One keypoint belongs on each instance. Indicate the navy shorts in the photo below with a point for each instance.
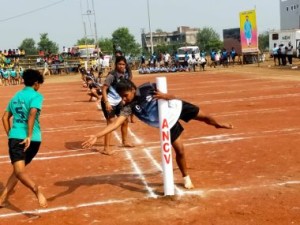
(188, 112)
(17, 153)
(116, 110)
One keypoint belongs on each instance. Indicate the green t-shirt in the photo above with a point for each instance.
(20, 106)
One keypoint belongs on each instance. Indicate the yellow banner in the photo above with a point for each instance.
(248, 29)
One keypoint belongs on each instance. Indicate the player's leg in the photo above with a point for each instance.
(181, 162)
(124, 132)
(11, 183)
(107, 140)
(19, 170)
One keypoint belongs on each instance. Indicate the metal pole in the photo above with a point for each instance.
(151, 40)
(96, 35)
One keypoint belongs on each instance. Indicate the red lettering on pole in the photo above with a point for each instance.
(167, 158)
(166, 147)
(165, 124)
(165, 136)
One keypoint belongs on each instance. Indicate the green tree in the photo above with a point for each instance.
(47, 45)
(208, 38)
(263, 41)
(88, 41)
(106, 45)
(123, 39)
(28, 45)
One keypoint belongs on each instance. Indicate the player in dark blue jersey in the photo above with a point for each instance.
(142, 102)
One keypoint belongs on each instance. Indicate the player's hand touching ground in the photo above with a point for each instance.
(90, 142)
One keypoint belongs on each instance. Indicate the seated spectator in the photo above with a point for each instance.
(22, 52)
(41, 53)
(9, 53)
(69, 52)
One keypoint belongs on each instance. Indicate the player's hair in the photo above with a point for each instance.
(119, 59)
(119, 52)
(125, 85)
(31, 76)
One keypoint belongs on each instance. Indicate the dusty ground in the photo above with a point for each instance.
(248, 175)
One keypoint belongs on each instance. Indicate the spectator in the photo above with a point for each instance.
(275, 54)
(289, 53)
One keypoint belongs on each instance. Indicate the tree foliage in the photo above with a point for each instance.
(106, 45)
(208, 38)
(47, 45)
(123, 39)
(263, 41)
(28, 45)
(83, 41)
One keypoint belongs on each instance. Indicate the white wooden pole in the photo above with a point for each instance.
(165, 139)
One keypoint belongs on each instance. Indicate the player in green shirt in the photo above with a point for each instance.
(24, 134)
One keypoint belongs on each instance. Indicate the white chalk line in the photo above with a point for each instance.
(53, 152)
(229, 100)
(67, 128)
(262, 97)
(149, 155)
(199, 192)
(218, 82)
(65, 208)
(63, 114)
(205, 192)
(243, 90)
(209, 139)
(137, 169)
(212, 139)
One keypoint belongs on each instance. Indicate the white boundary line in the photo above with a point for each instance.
(202, 193)
(209, 139)
(137, 169)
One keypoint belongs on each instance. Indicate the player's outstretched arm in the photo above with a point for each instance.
(212, 121)
(111, 127)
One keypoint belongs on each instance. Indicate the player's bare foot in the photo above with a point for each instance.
(3, 199)
(128, 145)
(3, 203)
(41, 198)
(107, 152)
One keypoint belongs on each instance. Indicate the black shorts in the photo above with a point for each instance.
(17, 153)
(188, 112)
(116, 110)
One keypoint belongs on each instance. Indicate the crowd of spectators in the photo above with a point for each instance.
(12, 53)
(10, 69)
(11, 75)
(164, 62)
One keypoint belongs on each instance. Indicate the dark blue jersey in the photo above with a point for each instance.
(145, 107)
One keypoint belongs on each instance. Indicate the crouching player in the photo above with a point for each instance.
(142, 102)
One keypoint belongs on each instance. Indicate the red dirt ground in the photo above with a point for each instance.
(248, 175)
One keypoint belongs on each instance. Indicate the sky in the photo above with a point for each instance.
(64, 20)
